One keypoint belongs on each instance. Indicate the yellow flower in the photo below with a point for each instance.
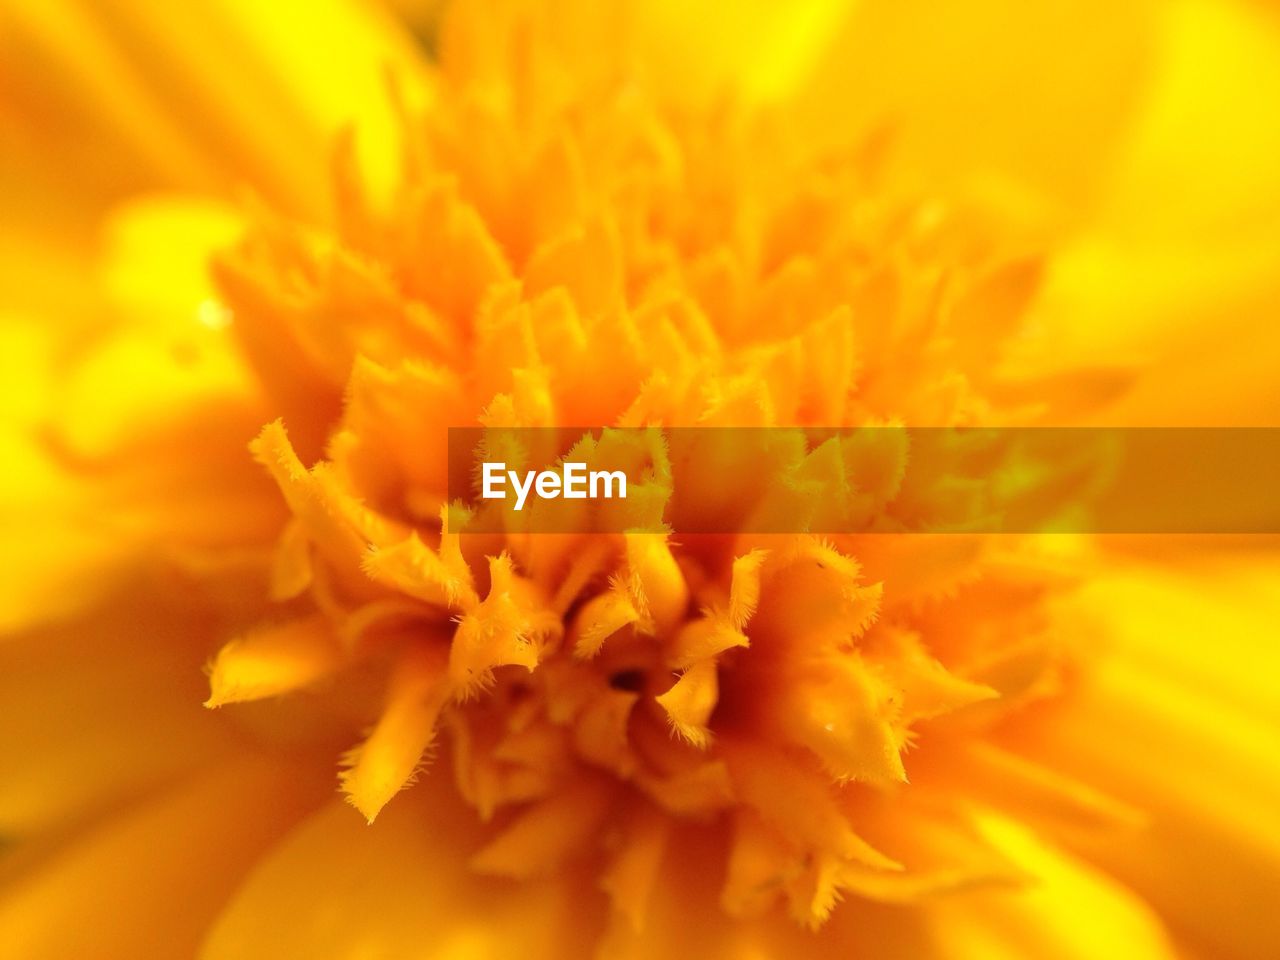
(262, 258)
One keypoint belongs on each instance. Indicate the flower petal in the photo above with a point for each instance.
(388, 760)
(269, 661)
(998, 96)
(399, 888)
(1182, 256)
(188, 847)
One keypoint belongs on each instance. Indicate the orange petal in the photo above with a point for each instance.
(269, 661)
(545, 835)
(690, 701)
(389, 759)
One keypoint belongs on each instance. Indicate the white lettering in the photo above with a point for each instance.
(493, 474)
(573, 482)
(608, 477)
(548, 485)
(522, 490)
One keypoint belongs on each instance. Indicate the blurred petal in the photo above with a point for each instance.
(1070, 910)
(94, 713)
(1183, 258)
(210, 94)
(99, 897)
(1010, 99)
(165, 349)
(96, 408)
(49, 558)
(756, 48)
(1192, 663)
(398, 888)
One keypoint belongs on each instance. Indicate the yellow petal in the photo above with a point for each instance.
(754, 49)
(269, 661)
(1023, 103)
(150, 381)
(545, 835)
(630, 878)
(395, 888)
(95, 711)
(389, 759)
(600, 733)
(760, 861)
(414, 568)
(845, 712)
(1185, 684)
(187, 844)
(690, 701)
(799, 802)
(1045, 919)
(291, 570)
(341, 527)
(510, 627)
(54, 560)
(161, 78)
(1182, 256)
(702, 639)
(106, 102)
(927, 688)
(744, 588)
(601, 617)
(655, 582)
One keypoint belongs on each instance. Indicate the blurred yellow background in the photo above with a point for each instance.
(255, 259)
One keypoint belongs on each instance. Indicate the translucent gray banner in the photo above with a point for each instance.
(884, 479)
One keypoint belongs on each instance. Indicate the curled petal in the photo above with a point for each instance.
(690, 701)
